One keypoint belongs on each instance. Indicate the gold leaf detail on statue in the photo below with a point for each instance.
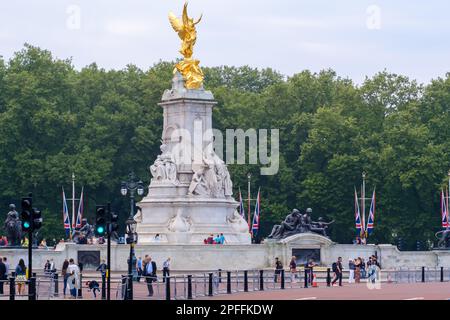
(189, 68)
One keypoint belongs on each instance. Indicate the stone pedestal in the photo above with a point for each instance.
(190, 194)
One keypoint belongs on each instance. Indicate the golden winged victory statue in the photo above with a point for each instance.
(189, 68)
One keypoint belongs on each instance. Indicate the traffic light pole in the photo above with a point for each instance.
(32, 291)
(108, 254)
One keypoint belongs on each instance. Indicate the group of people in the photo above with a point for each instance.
(70, 273)
(219, 239)
(20, 273)
(358, 269)
(293, 265)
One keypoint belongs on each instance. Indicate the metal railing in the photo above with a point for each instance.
(205, 283)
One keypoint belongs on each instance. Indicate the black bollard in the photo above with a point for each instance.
(261, 280)
(32, 288)
(306, 278)
(245, 281)
(228, 282)
(124, 287)
(210, 285)
(442, 274)
(423, 274)
(328, 277)
(55, 279)
(103, 287)
(189, 288)
(282, 279)
(12, 288)
(168, 288)
(220, 275)
(80, 291)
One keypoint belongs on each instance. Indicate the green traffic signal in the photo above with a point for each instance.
(100, 230)
(26, 224)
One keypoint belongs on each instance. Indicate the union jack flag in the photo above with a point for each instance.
(358, 225)
(241, 205)
(80, 211)
(371, 219)
(444, 211)
(66, 217)
(255, 224)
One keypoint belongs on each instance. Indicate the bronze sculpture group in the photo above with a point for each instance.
(296, 223)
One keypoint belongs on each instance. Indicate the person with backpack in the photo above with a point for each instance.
(93, 286)
(337, 269)
(278, 268)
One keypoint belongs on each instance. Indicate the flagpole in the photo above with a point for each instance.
(249, 177)
(448, 196)
(73, 201)
(363, 196)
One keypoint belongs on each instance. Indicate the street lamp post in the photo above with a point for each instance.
(131, 187)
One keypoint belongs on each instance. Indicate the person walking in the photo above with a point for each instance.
(278, 268)
(74, 278)
(139, 266)
(65, 275)
(5, 261)
(102, 268)
(293, 269)
(337, 269)
(351, 269)
(150, 274)
(21, 276)
(166, 269)
(3, 275)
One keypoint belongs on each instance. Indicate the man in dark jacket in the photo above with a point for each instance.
(149, 274)
(2, 274)
(337, 269)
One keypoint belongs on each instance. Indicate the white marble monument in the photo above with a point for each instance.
(190, 194)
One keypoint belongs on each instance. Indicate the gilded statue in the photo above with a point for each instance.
(188, 67)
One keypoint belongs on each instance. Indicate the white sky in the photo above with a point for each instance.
(410, 37)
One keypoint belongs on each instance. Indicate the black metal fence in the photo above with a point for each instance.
(200, 284)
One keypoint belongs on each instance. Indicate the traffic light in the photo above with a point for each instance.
(37, 219)
(27, 214)
(114, 222)
(100, 221)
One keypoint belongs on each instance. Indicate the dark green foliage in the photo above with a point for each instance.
(55, 120)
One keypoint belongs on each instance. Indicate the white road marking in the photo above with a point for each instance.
(308, 298)
(416, 298)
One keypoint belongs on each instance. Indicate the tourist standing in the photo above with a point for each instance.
(150, 274)
(21, 276)
(222, 238)
(5, 261)
(293, 269)
(358, 270)
(351, 269)
(65, 275)
(139, 269)
(278, 268)
(166, 269)
(3, 275)
(74, 278)
(337, 269)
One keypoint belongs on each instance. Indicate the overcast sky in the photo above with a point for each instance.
(354, 37)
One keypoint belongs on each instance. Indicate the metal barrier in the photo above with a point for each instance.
(210, 283)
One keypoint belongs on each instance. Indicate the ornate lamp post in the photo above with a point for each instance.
(131, 187)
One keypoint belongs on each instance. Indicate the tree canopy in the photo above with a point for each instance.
(100, 124)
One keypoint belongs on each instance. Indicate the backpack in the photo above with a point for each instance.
(334, 266)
